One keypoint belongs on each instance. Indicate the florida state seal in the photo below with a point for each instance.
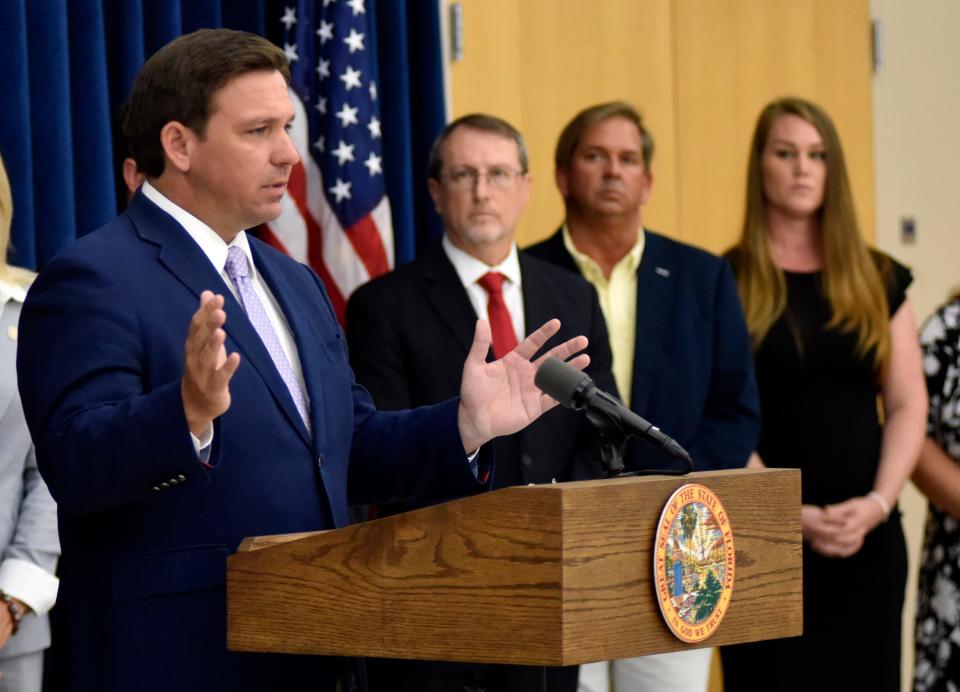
(694, 562)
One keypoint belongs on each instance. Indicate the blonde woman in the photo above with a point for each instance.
(28, 521)
(833, 334)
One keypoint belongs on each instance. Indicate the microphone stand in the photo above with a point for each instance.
(613, 441)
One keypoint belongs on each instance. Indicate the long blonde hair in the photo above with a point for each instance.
(852, 280)
(8, 273)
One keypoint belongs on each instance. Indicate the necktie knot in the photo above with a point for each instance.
(492, 282)
(237, 266)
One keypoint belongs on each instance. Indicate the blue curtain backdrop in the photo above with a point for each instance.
(69, 65)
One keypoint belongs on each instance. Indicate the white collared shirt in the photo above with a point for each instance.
(470, 270)
(10, 291)
(215, 249)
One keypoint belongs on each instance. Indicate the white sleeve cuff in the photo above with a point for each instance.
(202, 443)
(31, 584)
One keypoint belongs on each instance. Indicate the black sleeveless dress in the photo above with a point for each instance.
(820, 413)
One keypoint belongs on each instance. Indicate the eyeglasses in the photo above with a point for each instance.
(498, 177)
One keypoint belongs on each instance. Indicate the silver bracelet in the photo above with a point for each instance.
(880, 500)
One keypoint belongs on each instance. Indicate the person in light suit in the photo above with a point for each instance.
(681, 351)
(28, 520)
(410, 330)
(187, 386)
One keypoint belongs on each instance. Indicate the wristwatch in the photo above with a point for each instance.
(15, 609)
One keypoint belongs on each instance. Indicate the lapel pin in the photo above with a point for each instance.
(12, 333)
(662, 271)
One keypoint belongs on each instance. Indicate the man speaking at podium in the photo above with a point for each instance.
(187, 387)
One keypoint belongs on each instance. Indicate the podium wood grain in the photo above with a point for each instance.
(545, 575)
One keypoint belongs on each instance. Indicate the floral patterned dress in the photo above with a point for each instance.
(938, 608)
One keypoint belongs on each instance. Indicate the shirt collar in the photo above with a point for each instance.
(470, 269)
(630, 261)
(10, 291)
(212, 245)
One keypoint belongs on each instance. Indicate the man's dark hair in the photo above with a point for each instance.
(484, 123)
(179, 81)
(570, 137)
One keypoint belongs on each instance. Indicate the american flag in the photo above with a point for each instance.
(336, 217)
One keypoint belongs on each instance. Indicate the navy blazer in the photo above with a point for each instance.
(410, 331)
(145, 528)
(693, 365)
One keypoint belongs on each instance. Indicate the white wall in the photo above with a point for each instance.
(917, 164)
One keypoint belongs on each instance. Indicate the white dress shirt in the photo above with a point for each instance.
(470, 270)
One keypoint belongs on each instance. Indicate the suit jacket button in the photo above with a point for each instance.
(164, 485)
(156, 487)
(181, 478)
(526, 459)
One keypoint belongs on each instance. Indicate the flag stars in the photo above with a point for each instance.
(351, 78)
(341, 190)
(323, 69)
(290, 50)
(373, 164)
(343, 152)
(373, 90)
(289, 17)
(325, 32)
(320, 144)
(347, 115)
(321, 105)
(354, 41)
(356, 6)
(374, 127)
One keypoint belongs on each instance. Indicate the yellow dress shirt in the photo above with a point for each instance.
(618, 300)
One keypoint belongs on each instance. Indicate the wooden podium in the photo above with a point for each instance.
(541, 575)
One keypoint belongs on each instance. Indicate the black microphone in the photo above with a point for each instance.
(574, 389)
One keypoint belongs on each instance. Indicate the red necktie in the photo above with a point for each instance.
(504, 338)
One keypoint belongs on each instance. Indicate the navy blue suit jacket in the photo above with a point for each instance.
(692, 365)
(145, 528)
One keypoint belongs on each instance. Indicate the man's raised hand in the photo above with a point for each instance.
(207, 369)
(500, 398)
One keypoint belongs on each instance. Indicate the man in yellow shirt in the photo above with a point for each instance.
(681, 351)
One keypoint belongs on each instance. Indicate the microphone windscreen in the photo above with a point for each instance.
(560, 381)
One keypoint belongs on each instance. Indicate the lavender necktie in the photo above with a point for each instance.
(238, 269)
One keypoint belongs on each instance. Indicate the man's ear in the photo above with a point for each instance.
(560, 177)
(131, 176)
(647, 186)
(433, 187)
(177, 142)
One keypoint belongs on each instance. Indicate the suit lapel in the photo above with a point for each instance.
(294, 312)
(537, 304)
(655, 297)
(448, 296)
(185, 260)
(9, 317)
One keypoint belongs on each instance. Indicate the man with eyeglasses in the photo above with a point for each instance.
(681, 351)
(410, 330)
